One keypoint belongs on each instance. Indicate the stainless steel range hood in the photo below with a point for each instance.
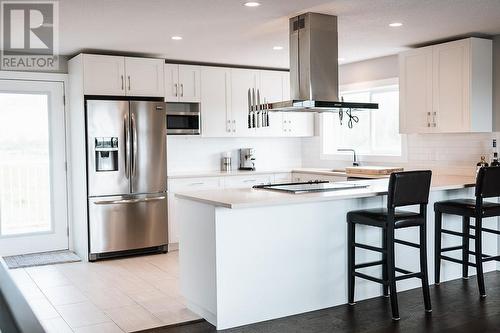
(314, 67)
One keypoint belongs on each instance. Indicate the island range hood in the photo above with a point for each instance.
(314, 67)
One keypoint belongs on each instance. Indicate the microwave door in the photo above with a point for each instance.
(149, 147)
(108, 147)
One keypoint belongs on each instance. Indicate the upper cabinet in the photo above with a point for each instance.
(144, 76)
(216, 102)
(182, 83)
(447, 88)
(122, 76)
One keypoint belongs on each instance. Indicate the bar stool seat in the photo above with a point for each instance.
(378, 217)
(487, 186)
(467, 207)
(405, 189)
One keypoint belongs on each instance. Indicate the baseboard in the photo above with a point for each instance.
(173, 247)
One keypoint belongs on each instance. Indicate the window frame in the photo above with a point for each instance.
(363, 157)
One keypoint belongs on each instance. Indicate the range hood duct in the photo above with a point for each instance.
(314, 67)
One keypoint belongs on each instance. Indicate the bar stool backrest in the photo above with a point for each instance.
(409, 188)
(488, 182)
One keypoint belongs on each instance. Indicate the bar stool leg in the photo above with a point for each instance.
(392, 274)
(479, 259)
(465, 247)
(385, 287)
(350, 261)
(437, 248)
(423, 269)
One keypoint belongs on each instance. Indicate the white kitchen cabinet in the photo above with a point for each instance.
(271, 89)
(103, 75)
(182, 83)
(122, 76)
(241, 81)
(447, 88)
(284, 177)
(144, 77)
(216, 102)
(247, 181)
(306, 177)
(184, 185)
(295, 123)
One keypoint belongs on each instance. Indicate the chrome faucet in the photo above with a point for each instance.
(355, 160)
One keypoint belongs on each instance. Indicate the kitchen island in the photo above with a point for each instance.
(249, 255)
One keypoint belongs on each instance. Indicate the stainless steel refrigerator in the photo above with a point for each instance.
(126, 176)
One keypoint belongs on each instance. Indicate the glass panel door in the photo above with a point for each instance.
(33, 205)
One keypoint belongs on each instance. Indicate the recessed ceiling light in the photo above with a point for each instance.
(176, 37)
(252, 4)
(395, 24)
(277, 48)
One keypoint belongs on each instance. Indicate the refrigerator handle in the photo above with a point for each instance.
(126, 129)
(134, 144)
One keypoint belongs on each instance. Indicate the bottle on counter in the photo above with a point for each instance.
(225, 162)
(481, 163)
(494, 154)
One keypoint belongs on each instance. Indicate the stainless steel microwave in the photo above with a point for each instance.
(186, 122)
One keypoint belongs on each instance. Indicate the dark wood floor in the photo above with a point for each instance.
(456, 308)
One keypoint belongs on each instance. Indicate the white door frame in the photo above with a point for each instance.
(50, 78)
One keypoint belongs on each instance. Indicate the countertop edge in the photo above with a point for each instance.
(299, 198)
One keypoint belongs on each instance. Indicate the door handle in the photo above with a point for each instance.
(128, 77)
(128, 201)
(175, 88)
(182, 90)
(126, 129)
(134, 144)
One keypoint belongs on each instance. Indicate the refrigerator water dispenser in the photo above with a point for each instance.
(106, 154)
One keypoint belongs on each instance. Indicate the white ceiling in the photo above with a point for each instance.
(224, 31)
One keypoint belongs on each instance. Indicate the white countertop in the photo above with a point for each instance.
(248, 197)
(216, 173)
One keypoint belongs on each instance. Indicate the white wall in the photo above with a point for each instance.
(445, 153)
(192, 154)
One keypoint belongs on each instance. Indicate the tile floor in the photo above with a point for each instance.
(121, 295)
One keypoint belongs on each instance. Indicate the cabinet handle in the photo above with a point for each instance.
(200, 183)
(128, 77)
(175, 87)
(182, 90)
(123, 83)
(249, 180)
(434, 119)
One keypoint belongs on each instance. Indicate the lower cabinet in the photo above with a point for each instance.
(212, 183)
(184, 185)
(306, 177)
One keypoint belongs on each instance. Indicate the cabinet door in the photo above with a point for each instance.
(189, 84)
(215, 102)
(415, 88)
(295, 123)
(103, 75)
(144, 77)
(171, 82)
(271, 88)
(180, 185)
(247, 181)
(241, 81)
(451, 78)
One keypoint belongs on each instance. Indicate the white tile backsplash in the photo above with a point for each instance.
(193, 154)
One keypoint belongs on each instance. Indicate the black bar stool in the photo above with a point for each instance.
(487, 186)
(405, 188)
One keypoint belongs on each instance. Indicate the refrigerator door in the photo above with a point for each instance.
(121, 223)
(149, 147)
(108, 147)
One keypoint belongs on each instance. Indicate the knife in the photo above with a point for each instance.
(249, 109)
(254, 107)
(259, 113)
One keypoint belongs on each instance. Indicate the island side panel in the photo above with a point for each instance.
(197, 257)
(276, 261)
